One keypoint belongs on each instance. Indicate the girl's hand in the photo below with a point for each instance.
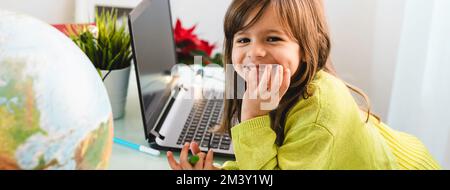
(263, 92)
(205, 161)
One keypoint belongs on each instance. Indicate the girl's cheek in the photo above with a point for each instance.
(289, 57)
(288, 65)
(238, 68)
(291, 65)
(236, 57)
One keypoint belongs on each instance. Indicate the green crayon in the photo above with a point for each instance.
(194, 159)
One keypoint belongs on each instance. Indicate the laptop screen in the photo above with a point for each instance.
(154, 55)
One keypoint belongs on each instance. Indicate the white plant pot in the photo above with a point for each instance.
(116, 84)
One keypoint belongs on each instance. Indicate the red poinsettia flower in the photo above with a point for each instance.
(182, 34)
(188, 44)
(206, 47)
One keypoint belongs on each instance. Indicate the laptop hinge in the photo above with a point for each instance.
(165, 112)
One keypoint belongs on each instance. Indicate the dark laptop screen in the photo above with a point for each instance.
(154, 55)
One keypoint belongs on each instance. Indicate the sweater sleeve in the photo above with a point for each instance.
(304, 147)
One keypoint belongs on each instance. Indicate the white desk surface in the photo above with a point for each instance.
(130, 128)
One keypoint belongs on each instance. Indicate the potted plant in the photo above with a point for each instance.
(108, 46)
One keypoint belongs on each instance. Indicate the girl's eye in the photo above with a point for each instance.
(273, 39)
(243, 40)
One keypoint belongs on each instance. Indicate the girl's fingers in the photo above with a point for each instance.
(277, 80)
(184, 157)
(264, 79)
(172, 162)
(240, 69)
(209, 160)
(245, 69)
(286, 81)
(200, 164)
(252, 83)
(195, 149)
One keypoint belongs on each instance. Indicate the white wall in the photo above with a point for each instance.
(50, 11)
(365, 35)
(207, 15)
(388, 29)
(351, 24)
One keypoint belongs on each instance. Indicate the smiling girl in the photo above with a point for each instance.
(316, 123)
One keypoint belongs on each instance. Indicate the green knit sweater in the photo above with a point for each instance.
(326, 131)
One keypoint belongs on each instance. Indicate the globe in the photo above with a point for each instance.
(54, 109)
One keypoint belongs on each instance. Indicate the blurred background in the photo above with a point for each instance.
(398, 52)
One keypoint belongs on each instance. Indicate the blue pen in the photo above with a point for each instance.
(137, 147)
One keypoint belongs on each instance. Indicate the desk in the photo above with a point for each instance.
(131, 128)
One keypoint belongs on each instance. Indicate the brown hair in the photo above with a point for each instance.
(306, 23)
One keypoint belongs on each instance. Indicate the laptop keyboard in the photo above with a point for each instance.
(205, 114)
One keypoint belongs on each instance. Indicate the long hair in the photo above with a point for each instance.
(304, 21)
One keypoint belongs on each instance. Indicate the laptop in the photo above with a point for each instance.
(170, 119)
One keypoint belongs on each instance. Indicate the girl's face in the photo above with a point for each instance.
(265, 42)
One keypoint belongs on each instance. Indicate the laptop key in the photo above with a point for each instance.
(224, 147)
(214, 145)
(216, 138)
(226, 142)
(204, 144)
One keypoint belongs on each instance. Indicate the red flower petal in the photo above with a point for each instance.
(187, 41)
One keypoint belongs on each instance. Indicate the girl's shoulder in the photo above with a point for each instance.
(330, 104)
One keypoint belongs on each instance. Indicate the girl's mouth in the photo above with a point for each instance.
(260, 70)
(248, 66)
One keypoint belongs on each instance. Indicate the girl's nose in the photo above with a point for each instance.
(256, 51)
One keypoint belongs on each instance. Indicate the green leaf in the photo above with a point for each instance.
(112, 47)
